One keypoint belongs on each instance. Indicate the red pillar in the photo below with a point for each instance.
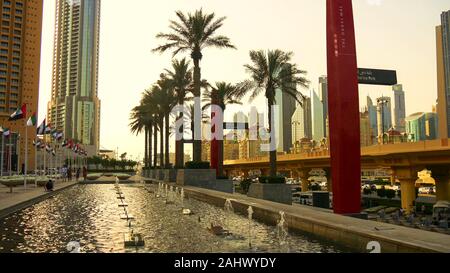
(343, 107)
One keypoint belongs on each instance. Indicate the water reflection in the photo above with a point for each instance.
(90, 215)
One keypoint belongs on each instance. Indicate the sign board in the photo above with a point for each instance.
(377, 76)
(235, 126)
(317, 172)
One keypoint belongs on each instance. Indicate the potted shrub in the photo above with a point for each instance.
(272, 189)
(197, 174)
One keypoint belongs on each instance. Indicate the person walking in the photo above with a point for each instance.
(85, 173)
(78, 174)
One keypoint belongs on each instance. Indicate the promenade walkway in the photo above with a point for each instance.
(22, 198)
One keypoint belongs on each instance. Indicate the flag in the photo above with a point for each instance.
(32, 121)
(65, 143)
(41, 129)
(53, 153)
(20, 113)
(59, 136)
(48, 148)
(6, 132)
(48, 129)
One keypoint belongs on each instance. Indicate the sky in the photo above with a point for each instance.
(390, 34)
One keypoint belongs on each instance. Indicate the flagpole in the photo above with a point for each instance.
(9, 156)
(26, 155)
(35, 163)
(45, 159)
(18, 153)
(3, 151)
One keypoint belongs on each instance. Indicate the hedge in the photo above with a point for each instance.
(197, 165)
(272, 180)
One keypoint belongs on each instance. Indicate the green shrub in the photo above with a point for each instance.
(272, 180)
(245, 185)
(197, 165)
(381, 192)
(222, 177)
(390, 194)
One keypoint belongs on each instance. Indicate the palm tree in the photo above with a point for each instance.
(166, 100)
(180, 78)
(137, 125)
(222, 94)
(193, 33)
(151, 111)
(270, 72)
(141, 120)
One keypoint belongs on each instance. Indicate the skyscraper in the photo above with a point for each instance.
(422, 126)
(399, 108)
(323, 93)
(286, 108)
(384, 114)
(366, 130)
(443, 74)
(20, 56)
(74, 107)
(301, 122)
(317, 117)
(373, 116)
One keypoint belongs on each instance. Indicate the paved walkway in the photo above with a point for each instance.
(21, 198)
(415, 238)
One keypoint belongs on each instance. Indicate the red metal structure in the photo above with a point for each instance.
(343, 109)
(343, 104)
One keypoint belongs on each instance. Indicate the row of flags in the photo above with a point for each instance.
(42, 130)
(68, 144)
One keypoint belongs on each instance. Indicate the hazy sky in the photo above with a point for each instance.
(391, 34)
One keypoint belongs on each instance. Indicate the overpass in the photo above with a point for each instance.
(404, 160)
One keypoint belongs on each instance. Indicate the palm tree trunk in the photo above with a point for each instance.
(150, 134)
(161, 144)
(146, 148)
(167, 163)
(155, 145)
(273, 148)
(197, 79)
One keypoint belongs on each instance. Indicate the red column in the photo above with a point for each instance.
(343, 107)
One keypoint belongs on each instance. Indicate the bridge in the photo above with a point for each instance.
(404, 160)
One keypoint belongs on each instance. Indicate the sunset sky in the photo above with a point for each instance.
(391, 34)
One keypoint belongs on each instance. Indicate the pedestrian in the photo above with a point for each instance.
(84, 173)
(78, 174)
(49, 186)
(69, 174)
(424, 209)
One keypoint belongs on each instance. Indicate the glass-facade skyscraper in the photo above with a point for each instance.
(399, 108)
(75, 106)
(422, 126)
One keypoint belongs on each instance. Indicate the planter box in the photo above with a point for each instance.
(159, 174)
(196, 178)
(170, 175)
(205, 179)
(222, 185)
(279, 193)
